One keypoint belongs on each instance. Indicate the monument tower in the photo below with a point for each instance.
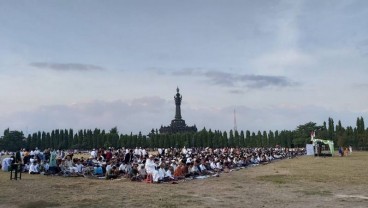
(177, 124)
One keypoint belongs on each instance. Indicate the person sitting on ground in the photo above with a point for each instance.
(79, 167)
(142, 172)
(26, 167)
(122, 168)
(98, 170)
(69, 165)
(150, 167)
(46, 166)
(203, 168)
(112, 173)
(34, 168)
(134, 173)
(6, 163)
(161, 172)
(178, 173)
(194, 170)
(226, 167)
(169, 171)
(108, 167)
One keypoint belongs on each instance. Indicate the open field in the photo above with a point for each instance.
(300, 182)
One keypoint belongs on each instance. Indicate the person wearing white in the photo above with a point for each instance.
(79, 166)
(144, 152)
(32, 154)
(6, 163)
(136, 151)
(168, 173)
(203, 167)
(161, 172)
(36, 152)
(69, 165)
(108, 167)
(219, 165)
(159, 151)
(93, 154)
(173, 164)
(33, 169)
(184, 151)
(46, 167)
(122, 168)
(150, 167)
(213, 165)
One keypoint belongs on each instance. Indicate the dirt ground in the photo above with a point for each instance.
(300, 182)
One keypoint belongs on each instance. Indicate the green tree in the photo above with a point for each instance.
(236, 139)
(271, 139)
(12, 140)
(242, 139)
(231, 139)
(303, 132)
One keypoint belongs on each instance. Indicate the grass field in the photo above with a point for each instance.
(300, 182)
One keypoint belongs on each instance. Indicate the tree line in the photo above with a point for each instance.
(87, 139)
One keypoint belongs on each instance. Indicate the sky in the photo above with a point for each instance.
(86, 64)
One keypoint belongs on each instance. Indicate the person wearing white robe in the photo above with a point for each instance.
(169, 173)
(94, 154)
(136, 152)
(150, 167)
(144, 152)
(161, 172)
(34, 168)
(6, 163)
(213, 165)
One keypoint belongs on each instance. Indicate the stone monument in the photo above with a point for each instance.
(177, 124)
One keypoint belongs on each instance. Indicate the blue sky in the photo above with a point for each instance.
(100, 64)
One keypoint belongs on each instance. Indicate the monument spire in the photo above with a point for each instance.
(177, 124)
(177, 98)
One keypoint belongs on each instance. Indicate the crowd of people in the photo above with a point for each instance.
(158, 165)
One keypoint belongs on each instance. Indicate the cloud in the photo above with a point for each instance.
(249, 81)
(186, 71)
(156, 71)
(220, 78)
(238, 81)
(236, 91)
(66, 66)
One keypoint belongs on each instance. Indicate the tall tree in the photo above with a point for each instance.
(12, 140)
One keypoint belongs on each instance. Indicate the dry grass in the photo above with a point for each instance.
(301, 182)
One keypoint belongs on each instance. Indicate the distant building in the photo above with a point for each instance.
(178, 124)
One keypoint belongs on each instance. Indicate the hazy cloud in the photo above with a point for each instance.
(238, 80)
(227, 79)
(236, 91)
(187, 71)
(221, 78)
(156, 71)
(66, 66)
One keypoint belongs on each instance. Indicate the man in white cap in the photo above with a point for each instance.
(150, 167)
